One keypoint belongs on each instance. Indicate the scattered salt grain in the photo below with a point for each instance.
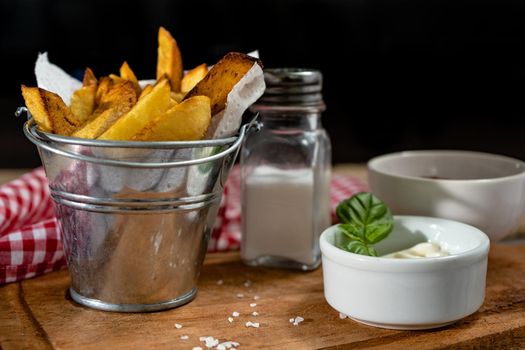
(253, 305)
(196, 348)
(297, 320)
(252, 324)
(255, 313)
(227, 345)
(184, 337)
(256, 297)
(220, 282)
(235, 314)
(247, 283)
(210, 342)
(178, 325)
(230, 319)
(342, 316)
(240, 295)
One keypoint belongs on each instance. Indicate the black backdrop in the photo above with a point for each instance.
(412, 74)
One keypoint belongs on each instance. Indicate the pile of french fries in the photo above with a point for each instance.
(176, 107)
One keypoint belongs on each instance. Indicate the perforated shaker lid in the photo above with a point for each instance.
(293, 87)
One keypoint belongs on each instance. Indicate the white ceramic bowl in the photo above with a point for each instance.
(480, 189)
(409, 293)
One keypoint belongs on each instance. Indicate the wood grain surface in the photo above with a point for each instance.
(38, 314)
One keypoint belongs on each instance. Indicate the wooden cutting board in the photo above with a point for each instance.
(38, 314)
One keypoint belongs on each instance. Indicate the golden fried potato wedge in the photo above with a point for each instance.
(127, 73)
(89, 78)
(97, 126)
(119, 99)
(49, 111)
(147, 89)
(119, 93)
(149, 108)
(83, 102)
(116, 79)
(177, 96)
(186, 121)
(222, 78)
(192, 77)
(169, 59)
(104, 85)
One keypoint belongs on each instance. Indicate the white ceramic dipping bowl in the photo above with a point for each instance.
(409, 293)
(480, 189)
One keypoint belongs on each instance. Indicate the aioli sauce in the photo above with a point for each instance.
(421, 250)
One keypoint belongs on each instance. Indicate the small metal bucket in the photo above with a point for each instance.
(135, 217)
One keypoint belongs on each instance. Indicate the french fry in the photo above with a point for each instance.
(147, 89)
(117, 93)
(97, 126)
(192, 77)
(169, 59)
(83, 100)
(127, 73)
(185, 121)
(220, 80)
(119, 99)
(49, 111)
(89, 78)
(103, 86)
(115, 78)
(149, 108)
(177, 96)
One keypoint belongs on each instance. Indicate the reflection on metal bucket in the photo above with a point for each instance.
(135, 217)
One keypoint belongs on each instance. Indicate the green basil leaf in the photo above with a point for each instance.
(365, 218)
(341, 239)
(360, 248)
(352, 232)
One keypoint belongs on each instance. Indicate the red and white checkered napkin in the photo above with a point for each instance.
(30, 243)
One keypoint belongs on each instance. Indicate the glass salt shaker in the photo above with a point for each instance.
(285, 173)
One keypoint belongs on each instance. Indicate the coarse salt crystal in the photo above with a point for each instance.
(227, 345)
(342, 316)
(220, 282)
(210, 342)
(255, 313)
(230, 319)
(235, 314)
(253, 305)
(252, 324)
(178, 325)
(196, 348)
(256, 297)
(240, 295)
(297, 320)
(291, 320)
(184, 337)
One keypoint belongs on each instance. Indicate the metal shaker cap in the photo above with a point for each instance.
(293, 87)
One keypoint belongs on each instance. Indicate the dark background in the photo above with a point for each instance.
(398, 74)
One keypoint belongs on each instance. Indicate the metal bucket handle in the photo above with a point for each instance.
(41, 140)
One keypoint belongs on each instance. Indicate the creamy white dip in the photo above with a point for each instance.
(421, 250)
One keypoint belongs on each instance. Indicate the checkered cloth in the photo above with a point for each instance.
(30, 243)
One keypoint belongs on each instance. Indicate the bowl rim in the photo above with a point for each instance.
(371, 263)
(373, 165)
